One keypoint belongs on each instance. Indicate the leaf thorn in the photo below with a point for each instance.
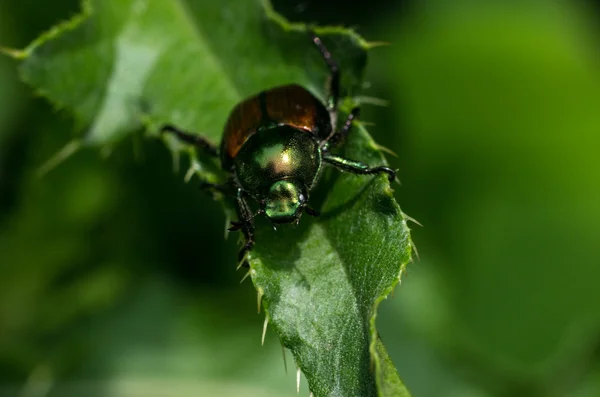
(298, 373)
(245, 276)
(413, 220)
(240, 264)
(369, 100)
(385, 149)
(13, 53)
(61, 156)
(194, 167)
(414, 248)
(402, 272)
(259, 298)
(375, 44)
(284, 357)
(264, 332)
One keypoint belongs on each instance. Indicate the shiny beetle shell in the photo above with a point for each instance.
(290, 105)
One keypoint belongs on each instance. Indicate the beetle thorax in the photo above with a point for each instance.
(275, 154)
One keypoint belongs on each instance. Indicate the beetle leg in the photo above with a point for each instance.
(192, 139)
(224, 188)
(339, 136)
(356, 167)
(334, 70)
(311, 211)
(245, 225)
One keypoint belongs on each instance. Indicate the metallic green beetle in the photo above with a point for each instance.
(273, 146)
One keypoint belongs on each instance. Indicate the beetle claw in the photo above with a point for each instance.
(311, 211)
(235, 225)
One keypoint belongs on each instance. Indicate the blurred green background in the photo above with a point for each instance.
(115, 279)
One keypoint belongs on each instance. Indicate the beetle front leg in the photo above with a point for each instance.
(249, 235)
(247, 228)
(356, 167)
(244, 224)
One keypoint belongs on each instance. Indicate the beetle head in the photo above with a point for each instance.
(285, 200)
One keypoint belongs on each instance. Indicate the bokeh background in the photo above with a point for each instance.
(115, 278)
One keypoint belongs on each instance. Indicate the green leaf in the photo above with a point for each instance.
(322, 281)
(388, 381)
(127, 65)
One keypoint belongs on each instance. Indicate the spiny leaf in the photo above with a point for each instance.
(323, 280)
(126, 65)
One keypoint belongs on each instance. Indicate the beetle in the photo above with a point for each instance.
(273, 147)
